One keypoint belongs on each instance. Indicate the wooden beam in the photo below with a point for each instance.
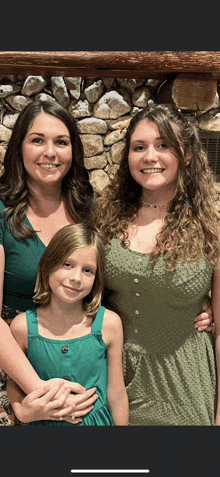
(127, 64)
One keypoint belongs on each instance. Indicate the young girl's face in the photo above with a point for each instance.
(73, 280)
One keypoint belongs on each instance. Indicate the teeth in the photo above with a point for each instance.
(152, 171)
(48, 166)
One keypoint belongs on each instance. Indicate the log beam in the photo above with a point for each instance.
(189, 91)
(127, 64)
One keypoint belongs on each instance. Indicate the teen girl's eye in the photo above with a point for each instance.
(139, 148)
(163, 146)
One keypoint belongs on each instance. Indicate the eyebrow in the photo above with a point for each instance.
(41, 134)
(141, 141)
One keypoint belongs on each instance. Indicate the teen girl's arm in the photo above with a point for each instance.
(216, 315)
(116, 392)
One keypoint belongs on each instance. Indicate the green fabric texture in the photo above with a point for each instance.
(81, 360)
(169, 367)
(22, 258)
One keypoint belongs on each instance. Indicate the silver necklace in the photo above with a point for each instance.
(153, 206)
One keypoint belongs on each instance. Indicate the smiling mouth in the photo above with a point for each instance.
(49, 166)
(72, 289)
(152, 171)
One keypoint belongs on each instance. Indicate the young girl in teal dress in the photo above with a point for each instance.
(69, 335)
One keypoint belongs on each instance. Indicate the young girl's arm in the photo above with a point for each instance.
(47, 400)
(216, 315)
(28, 412)
(116, 392)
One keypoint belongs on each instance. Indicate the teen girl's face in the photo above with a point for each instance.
(73, 280)
(47, 150)
(152, 164)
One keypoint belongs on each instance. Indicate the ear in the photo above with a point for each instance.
(187, 158)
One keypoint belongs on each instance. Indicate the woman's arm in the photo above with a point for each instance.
(2, 272)
(12, 359)
(204, 321)
(116, 391)
(14, 362)
(216, 315)
(43, 403)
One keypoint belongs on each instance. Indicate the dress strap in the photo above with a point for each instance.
(98, 320)
(32, 323)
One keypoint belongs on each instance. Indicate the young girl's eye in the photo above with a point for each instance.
(67, 264)
(88, 270)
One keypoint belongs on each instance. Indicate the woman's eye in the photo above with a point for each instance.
(37, 140)
(62, 142)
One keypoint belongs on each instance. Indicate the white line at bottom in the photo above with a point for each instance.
(136, 471)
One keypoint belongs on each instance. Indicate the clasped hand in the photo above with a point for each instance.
(54, 400)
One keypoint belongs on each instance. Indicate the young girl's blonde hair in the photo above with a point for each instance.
(66, 241)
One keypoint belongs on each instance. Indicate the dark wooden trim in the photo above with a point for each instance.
(127, 64)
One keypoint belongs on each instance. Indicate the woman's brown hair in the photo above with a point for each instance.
(76, 189)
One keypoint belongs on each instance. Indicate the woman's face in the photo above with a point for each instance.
(47, 150)
(152, 164)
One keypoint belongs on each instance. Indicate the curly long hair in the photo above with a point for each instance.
(77, 191)
(191, 226)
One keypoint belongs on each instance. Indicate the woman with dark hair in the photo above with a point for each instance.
(44, 186)
(159, 221)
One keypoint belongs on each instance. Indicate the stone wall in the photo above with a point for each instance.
(102, 108)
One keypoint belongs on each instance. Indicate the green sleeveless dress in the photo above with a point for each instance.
(81, 360)
(22, 258)
(169, 367)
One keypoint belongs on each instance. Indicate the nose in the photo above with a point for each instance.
(49, 150)
(150, 154)
(76, 275)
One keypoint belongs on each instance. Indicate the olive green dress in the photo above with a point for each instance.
(170, 370)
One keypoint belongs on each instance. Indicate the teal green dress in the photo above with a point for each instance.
(81, 360)
(22, 258)
(169, 367)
